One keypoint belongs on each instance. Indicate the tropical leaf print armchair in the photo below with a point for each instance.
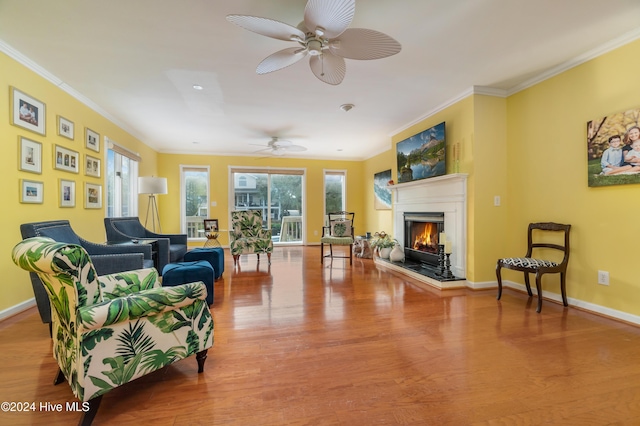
(247, 235)
(109, 330)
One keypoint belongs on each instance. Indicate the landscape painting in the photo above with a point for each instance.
(613, 149)
(423, 155)
(382, 194)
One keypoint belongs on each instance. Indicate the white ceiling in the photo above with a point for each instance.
(136, 62)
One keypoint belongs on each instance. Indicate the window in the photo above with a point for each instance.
(335, 184)
(121, 180)
(278, 193)
(194, 200)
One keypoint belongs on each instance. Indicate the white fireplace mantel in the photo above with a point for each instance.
(447, 194)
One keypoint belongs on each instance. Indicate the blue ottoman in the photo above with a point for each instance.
(213, 255)
(187, 272)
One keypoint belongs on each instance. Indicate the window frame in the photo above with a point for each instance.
(183, 198)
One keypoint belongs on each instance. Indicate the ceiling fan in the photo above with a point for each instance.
(279, 146)
(323, 36)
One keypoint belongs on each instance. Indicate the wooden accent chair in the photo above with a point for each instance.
(531, 265)
(247, 235)
(339, 233)
(109, 330)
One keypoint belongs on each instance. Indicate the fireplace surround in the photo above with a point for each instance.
(446, 195)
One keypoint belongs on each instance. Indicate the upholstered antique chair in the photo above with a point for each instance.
(171, 247)
(112, 329)
(107, 259)
(247, 235)
(338, 232)
(545, 245)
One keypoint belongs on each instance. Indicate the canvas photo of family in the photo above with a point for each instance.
(613, 146)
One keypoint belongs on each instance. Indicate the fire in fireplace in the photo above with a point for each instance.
(421, 233)
(425, 236)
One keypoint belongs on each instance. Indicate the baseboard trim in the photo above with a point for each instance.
(16, 309)
(573, 302)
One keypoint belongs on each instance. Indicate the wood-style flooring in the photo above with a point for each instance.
(302, 343)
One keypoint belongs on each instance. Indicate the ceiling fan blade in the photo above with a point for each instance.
(328, 67)
(295, 148)
(362, 43)
(267, 27)
(281, 143)
(280, 59)
(329, 18)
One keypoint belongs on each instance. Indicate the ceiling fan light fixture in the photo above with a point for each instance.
(347, 107)
(314, 47)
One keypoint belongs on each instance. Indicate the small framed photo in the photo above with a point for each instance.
(27, 112)
(31, 191)
(67, 193)
(211, 225)
(65, 159)
(92, 140)
(91, 166)
(65, 128)
(30, 155)
(92, 196)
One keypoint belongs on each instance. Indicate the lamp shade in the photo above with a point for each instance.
(152, 185)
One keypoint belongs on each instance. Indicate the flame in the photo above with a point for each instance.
(427, 238)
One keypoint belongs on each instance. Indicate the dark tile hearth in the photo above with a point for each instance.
(422, 269)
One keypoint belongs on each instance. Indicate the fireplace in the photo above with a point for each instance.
(421, 236)
(446, 195)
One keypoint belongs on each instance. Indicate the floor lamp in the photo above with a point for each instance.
(152, 186)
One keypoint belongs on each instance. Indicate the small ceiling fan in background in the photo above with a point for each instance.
(323, 36)
(277, 146)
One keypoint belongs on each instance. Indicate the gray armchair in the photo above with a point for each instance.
(106, 259)
(171, 247)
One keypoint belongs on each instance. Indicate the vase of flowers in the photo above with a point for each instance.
(382, 243)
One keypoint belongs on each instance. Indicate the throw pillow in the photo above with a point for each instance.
(341, 228)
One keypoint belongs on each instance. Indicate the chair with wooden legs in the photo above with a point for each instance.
(338, 233)
(530, 265)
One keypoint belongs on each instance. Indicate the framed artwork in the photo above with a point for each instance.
(65, 159)
(382, 194)
(31, 191)
(67, 193)
(92, 140)
(92, 196)
(30, 155)
(422, 156)
(65, 128)
(92, 166)
(27, 112)
(211, 225)
(613, 149)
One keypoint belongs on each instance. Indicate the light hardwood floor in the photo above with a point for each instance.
(311, 344)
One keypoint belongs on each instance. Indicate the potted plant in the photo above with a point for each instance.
(383, 243)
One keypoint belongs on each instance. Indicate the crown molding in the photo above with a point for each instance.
(42, 72)
(578, 60)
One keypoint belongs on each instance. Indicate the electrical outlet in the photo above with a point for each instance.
(603, 277)
(496, 200)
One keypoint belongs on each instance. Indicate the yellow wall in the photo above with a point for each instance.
(86, 222)
(547, 176)
(169, 166)
(487, 180)
(377, 220)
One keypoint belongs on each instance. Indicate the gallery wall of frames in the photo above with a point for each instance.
(80, 155)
